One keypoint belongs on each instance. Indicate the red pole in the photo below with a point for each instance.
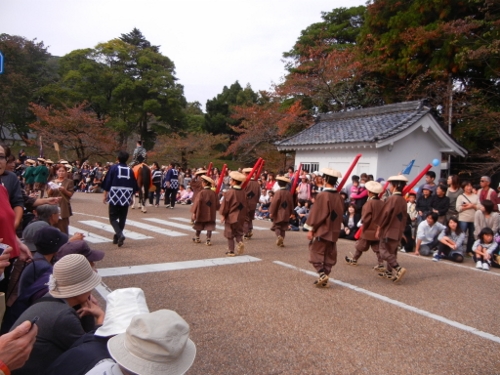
(257, 164)
(296, 179)
(209, 170)
(346, 176)
(257, 176)
(221, 178)
(383, 190)
(416, 179)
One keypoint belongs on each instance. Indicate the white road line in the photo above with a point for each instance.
(175, 225)
(89, 236)
(427, 314)
(220, 227)
(108, 228)
(449, 263)
(175, 266)
(103, 290)
(157, 230)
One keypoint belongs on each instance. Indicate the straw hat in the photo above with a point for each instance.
(237, 176)
(30, 161)
(48, 161)
(398, 178)
(80, 247)
(247, 170)
(41, 159)
(72, 276)
(281, 178)
(331, 172)
(154, 344)
(374, 187)
(63, 162)
(200, 171)
(208, 179)
(121, 306)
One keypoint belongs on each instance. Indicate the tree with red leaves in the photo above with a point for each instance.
(76, 129)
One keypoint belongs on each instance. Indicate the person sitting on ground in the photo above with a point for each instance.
(450, 242)
(486, 218)
(351, 220)
(427, 234)
(484, 249)
(59, 324)
(121, 306)
(263, 211)
(264, 198)
(16, 347)
(147, 347)
(440, 203)
(186, 196)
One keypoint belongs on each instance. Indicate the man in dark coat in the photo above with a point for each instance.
(252, 191)
(324, 223)
(392, 225)
(280, 210)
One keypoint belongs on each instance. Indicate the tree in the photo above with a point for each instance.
(76, 129)
(218, 119)
(263, 124)
(26, 71)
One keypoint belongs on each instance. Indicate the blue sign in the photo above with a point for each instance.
(1, 62)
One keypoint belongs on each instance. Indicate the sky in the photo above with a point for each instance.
(213, 43)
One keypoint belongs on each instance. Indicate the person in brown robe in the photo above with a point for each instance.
(280, 210)
(370, 217)
(392, 225)
(196, 185)
(324, 223)
(233, 211)
(204, 210)
(252, 190)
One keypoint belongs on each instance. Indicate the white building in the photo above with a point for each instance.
(388, 137)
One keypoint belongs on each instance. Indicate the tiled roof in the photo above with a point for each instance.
(363, 125)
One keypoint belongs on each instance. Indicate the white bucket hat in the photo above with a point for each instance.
(72, 276)
(121, 306)
(154, 344)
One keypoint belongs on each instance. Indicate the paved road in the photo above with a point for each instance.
(260, 314)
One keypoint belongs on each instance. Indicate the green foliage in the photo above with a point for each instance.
(219, 110)
(28, 67)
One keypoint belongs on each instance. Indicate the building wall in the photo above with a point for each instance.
(419, 145)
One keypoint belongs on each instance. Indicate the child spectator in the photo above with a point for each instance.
(450, 242)
(411, 209)
(263, 212)
(484, 248)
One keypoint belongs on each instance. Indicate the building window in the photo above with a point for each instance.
(310, 167)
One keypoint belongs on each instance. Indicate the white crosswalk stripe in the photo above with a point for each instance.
(89, 236)
(169, 223)
(157, 230)
(220, 227)
(108, 228)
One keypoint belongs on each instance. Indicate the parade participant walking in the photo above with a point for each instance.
(370, 217)
(41, 174)
(280, 210)
(324, 224)
(196, 184)
(233, 211)
(171, 185)
(252, 190)
(29, 176)
(119, 186)
(205, 210)
(392, 225)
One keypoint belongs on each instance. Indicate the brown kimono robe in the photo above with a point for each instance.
(370, 217)
(205, 210)
(234, 209)
(280, 210)
(252, 191)
(392, 225)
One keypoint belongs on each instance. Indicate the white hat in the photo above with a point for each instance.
(399, 177)
(72, 276)
(374, 187)
(247, 170)
(121, 306)
(237, 176)
(208, 179)
(200, 171)
(331, 172)
(281, 178)
(154, 344)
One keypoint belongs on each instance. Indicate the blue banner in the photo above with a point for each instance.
(407, 170)
(1, 62)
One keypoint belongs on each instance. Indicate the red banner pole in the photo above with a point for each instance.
(296, 179)
(257, 176)
(221, 178)
(257, 164)
(416, 179)
(347, 174)
(209, 170)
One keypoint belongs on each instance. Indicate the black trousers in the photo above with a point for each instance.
(155, 194)
(170, 195)
(117, 218)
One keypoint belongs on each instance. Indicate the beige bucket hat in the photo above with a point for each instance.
(237, 176)
(208, 179)
(154, 344)
(72, 276)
